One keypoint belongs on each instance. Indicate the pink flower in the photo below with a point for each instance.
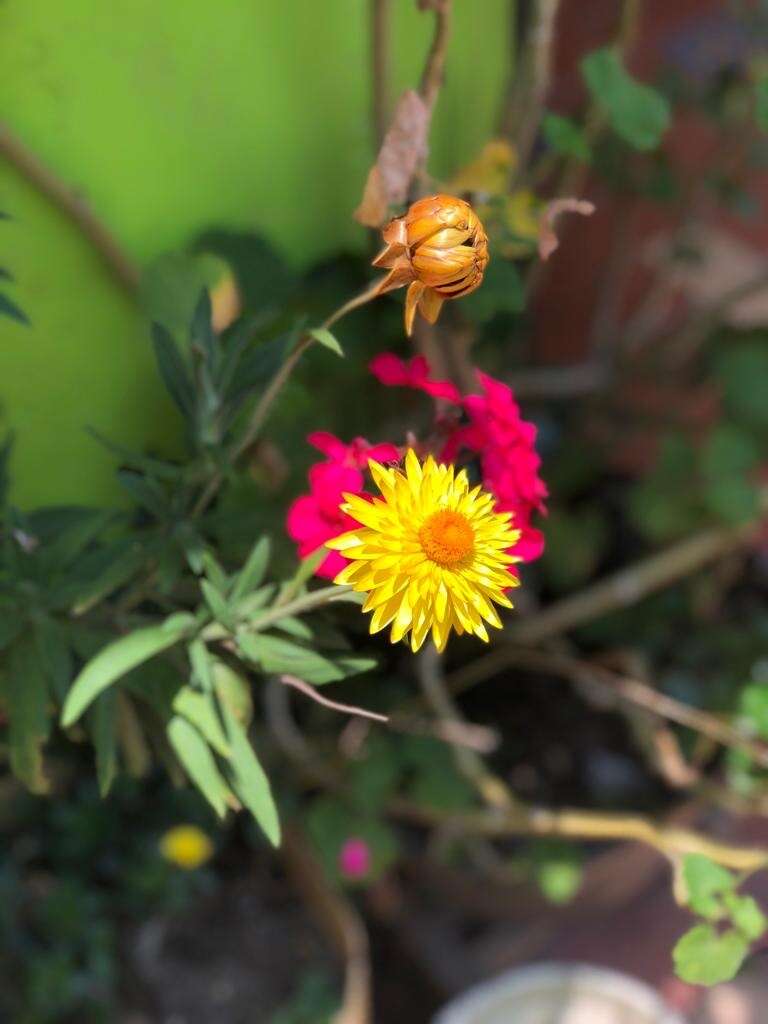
(355, 858)
(496, 433)
(316, 517)
(394, 372)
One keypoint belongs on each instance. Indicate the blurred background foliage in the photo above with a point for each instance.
(171, 119)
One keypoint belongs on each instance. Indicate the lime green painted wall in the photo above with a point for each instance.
(171, 117)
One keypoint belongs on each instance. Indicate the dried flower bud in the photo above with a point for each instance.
(439, 249)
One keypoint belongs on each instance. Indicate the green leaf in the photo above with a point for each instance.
(304, 572)
(214, 572)
(55, 654)
(252, 573)
(101, 574)
(274, 654)
(200, 709)
(558, 869)
(248, 780)
(174, 371)
(103, 731)
(26, 691)
(743, 370)
(704, 956)
(84, 527)
(171, 285)
(324, 337)
(705, 881)
(218, 605)
(10, 309)
(638, 113)
(198, 762)
(118, 658)
(200, 661)
(754, 707)
(502, 291)
(566, 137)
(746, 915)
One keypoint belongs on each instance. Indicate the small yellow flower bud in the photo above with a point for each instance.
(439, 249)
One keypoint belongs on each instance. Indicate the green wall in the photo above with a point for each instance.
(171, 117)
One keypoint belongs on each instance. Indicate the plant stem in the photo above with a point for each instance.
(305, 603)
(72, 206)
(588, 825)
(622, 589)
(432, 76)
(264, 405)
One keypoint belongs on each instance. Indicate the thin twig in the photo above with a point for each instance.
(588, 825)
(535, 78)
(432, 77)
(645, 696)
(621, 590)
(341, 922)
(346, 709)
(491, 788)
(31, 168)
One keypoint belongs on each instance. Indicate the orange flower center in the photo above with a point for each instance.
(447, 537)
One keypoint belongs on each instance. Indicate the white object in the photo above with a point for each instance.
(559, 994)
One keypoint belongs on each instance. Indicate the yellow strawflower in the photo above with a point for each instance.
(186, 846)
(430, 553)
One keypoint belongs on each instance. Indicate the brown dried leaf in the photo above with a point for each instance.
(548, 240)
(403, 149)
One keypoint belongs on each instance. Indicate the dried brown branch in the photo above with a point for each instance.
(621, 590)
(526, 107)
(601, 826)
(644, 696)
(346, 709)
(432, 76)
(32, 169)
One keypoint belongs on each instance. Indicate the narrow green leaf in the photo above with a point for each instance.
(218, 604)
(26, 690)
(325, 338)
(252, 573)
(200, 709)
(274, 654)
(704, 956)
(103, 731)
(198, 762)
(10, 309)
(304, 572)
(248, 780)
(214, 572)
(174, 371)
(118, 658)
(200, 661)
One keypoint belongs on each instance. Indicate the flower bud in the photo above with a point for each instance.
(439, 249)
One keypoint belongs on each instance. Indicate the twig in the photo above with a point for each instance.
(72, 206)
(341, 922)
(493, 791)
(535, 78)
(622, 589)
(381, 11)
(304, 603)
(432, 76)
(644, 696)
(588, 825)
(347, 709)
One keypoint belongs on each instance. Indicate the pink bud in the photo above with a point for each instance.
(355, 858)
